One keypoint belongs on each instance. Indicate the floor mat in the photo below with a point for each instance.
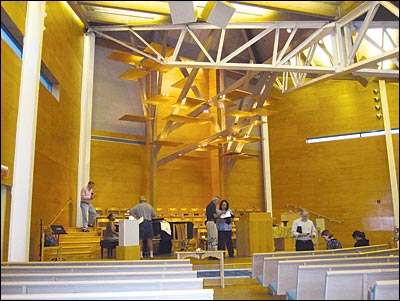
(234, 273)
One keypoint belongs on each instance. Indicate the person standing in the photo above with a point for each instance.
(145, 211)
(360, 239)
(212, 232)
(303, 230)
(331, 242)
(224, 227)
(88, 211)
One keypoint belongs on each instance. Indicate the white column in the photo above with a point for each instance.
(266, 165)
(390, 153)
(21, 193)
(3, 215)
(86, 120)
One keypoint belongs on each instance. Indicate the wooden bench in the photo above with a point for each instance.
(102, 262)
(394, 252)
(96, 268)
(310, 283)
(257, 258)
(200, 294)
(270, 265)
(385, 290)
(354, 285)
(87, 286)
(97, 276)
(288, 270)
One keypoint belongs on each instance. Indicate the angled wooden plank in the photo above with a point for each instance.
(153, 65)
(125, 57)
(134, 74)
(236, 94)
(189, 102)
(263, 112)
(158, 47)
(161, 99)
(206, 148)
(185, 119)
(240, 113)
(135, 118)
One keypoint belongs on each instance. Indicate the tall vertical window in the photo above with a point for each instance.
(51, 84)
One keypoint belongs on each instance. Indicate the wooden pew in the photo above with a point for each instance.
(270, 265)
(87, 286)
(288, 270)
(96, 268)
(354, 285)
(310, 283)
(102, 262)
(257, 262)
(385, 290)
(97, 276)
(200, 294)
(387, 252)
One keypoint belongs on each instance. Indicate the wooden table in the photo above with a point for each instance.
(206, 254)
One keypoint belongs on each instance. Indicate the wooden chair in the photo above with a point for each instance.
(180, 240)
(114, 211)
(160, 212)
(173, 212)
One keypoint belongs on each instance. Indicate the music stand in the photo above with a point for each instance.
(58, 229)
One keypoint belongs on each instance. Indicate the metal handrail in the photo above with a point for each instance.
(317, 214)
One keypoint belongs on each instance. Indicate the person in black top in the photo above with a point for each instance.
(212, 232)
(360, 239)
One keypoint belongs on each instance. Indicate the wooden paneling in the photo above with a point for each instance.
(341, 179)
(57, 136)
(16, 10)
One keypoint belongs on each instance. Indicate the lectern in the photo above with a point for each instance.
(128, 248)
(254, 234)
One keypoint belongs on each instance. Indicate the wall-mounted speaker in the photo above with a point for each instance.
(218, 13)
(182, 12)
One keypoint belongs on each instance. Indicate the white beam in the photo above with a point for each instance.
(390, 152)
(266, 165)
(85, 131)
(24, 159)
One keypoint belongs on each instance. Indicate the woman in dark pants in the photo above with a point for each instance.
(224, 226)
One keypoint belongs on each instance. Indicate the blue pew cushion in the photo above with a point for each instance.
(291, 295)
(273, 286)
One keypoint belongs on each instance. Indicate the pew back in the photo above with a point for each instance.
(95, 268)
(203, 294)
(354, 285)
(385, 290)
(288, 270)
(257, 258)
(87, 286)
(90, 263)
(311, 278)
(270, 265)
(97, 276)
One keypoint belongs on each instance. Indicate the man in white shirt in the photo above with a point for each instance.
(303, 230)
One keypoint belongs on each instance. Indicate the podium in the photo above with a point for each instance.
(254, 234)
(128, 248)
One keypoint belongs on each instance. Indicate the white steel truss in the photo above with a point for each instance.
(342, 42)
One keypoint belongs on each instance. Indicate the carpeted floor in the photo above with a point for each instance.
(231, 273)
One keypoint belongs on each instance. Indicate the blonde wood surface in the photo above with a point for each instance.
(254, 234)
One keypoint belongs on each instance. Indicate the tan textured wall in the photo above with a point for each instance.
(341, 179)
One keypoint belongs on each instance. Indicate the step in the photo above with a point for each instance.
(81, 239)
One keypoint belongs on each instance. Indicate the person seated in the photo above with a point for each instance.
(110, 232)
(331, 242)
(360, 239)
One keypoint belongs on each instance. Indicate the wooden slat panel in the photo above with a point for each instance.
(189, 102)
(134, 74)
(135, 118)
(236, 94)
(185, 119)
(240, 113)
(191, 158)
(125, 57)
(161, 99)
(153, 65)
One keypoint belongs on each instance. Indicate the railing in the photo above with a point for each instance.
(317, 214)
(42, 229)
